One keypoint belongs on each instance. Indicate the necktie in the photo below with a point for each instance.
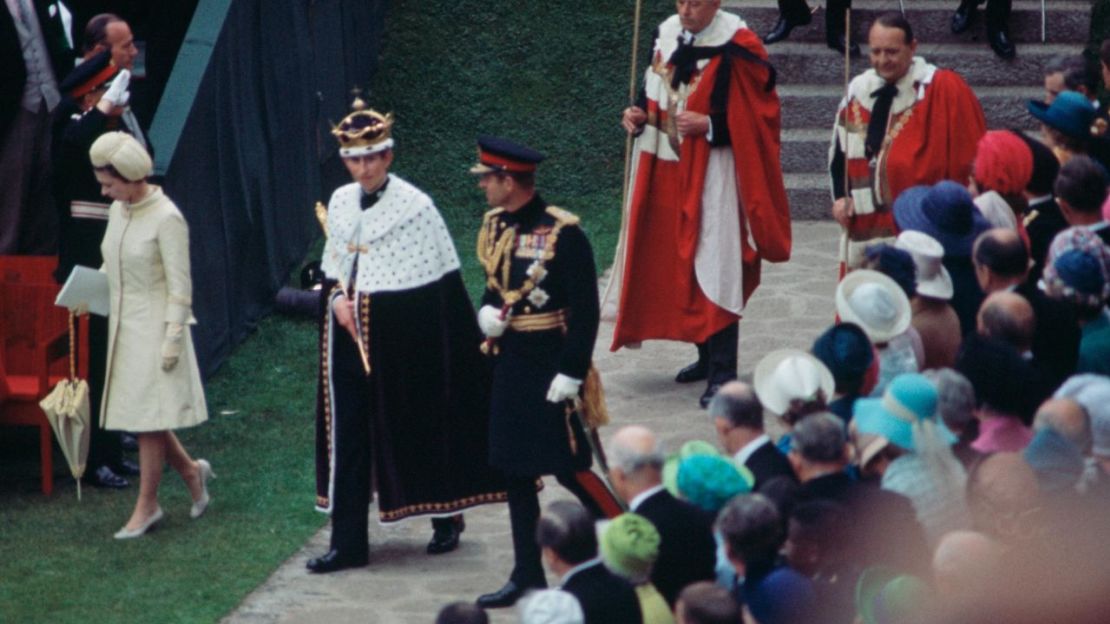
(880, 115)
(683, 59)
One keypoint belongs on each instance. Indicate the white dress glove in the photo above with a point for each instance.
(563, 388)
(117, 93)
(171, 345)
(490, 321)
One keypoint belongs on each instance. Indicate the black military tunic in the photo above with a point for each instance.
(538, 263)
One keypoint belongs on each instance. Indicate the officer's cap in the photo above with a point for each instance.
(497, 155)
(90, 75)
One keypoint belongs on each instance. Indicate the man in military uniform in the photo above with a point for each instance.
(96, 92)
(403, 392)
(540, 315)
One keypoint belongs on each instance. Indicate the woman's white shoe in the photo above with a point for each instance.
(201, 504)
(124, 533)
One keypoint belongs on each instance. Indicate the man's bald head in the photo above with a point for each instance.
(1002, 493)
(737, 404)
(635, 452)
(1008, 317)
(964, 563)
(1067, 418)
(1001, 251)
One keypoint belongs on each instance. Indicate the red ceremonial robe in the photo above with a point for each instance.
(660, 297)
(934, 138)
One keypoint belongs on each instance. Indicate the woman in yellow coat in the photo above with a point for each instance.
(153, 385)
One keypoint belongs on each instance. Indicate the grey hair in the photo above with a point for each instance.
(820, 437)
(955, 397)
(739, 409)
(630, 461)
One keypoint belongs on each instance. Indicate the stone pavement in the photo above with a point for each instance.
(403, 585)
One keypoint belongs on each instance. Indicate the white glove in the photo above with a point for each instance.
(117, 93)
(490, 321)
(563, 388)
(171, 345)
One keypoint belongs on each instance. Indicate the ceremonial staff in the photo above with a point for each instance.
(847, 135)
(631, 101)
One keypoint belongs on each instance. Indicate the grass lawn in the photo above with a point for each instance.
(553, 75)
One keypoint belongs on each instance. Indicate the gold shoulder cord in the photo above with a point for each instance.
(495, 252)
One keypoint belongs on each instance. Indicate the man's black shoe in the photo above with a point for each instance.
(445, 538)
(708, 395)
(504, 597)
(697, 371)
(961, 19)
(126, 467)
(1001, 44)
(129, 442)
(779, 32)
(334, 561)
(103, 477)
(836, 42)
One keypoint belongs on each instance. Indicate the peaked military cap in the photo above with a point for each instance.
(91, 74)
(502, 155)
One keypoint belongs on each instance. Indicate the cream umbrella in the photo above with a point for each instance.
(67, 410)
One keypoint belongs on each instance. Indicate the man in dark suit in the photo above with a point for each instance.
(1001, 264)
(1080, 190)
(738, 416)
(883, 527)
(1043, 219)
(30, 62)
(568, 541)
(686, 546)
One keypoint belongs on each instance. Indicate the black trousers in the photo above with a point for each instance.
(720, 352)
(354, 450)
(997, 14)
(524, 515)
(105, 447)
(797, 13)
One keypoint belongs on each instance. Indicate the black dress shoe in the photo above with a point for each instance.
(126, 467)
(504, 597)
(1001, 43)
(334, 561)
(961, 19)
(708, 395)
(697, 371)
(445, 538)
(779, 32)
(836, 42)
(103, 477)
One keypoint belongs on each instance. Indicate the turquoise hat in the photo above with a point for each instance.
(909, 399)
(701, 475)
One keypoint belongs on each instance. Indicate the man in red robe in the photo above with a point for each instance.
(707, 201)
(903, 123)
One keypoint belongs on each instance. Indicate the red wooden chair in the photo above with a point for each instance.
(34, 348)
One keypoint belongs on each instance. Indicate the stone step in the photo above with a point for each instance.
(1065, 19)
(809, 195)
(813, 63)
(814, 106)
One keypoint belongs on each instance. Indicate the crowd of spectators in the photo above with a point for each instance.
(941, 454)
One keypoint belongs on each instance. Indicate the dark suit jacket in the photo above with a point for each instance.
(1042, 229)
(1055, 337)
(884, 529)
(605, 598)
(766, 463)
(13, 71)
(687, 551)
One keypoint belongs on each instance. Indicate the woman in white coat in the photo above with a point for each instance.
(153, 385)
